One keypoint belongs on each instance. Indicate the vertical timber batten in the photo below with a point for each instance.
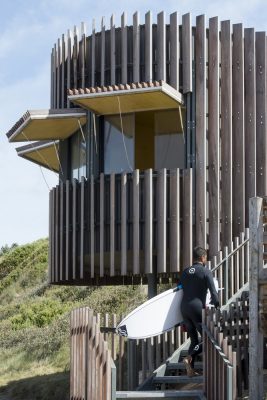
(214, 136)
(124, 223)
(136, 223)
(83, 54)
(161, 218)
(124, 48)
(74, 228)
(92, 227)
(148, 46)
(63, 72)
(93, 55)
(250, 118)
(82, 227)
(69, 59)
(61, 230)
(112, 224)
(261, 138)
(67, 237)
(52, 80)
(175, 221)
(101, 241)
(103, 45)
(174, 51)
(75, 56)
(201, 126)
(58, 71)
(226, 133)
(112, 51)
(187, 218)
(136, 47)
(148, 221)
(187, 53)
(238, 131)
(161, 43)
(55, 76)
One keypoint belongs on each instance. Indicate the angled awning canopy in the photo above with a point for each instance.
(135, 97)
(44, 153)
(47, 125)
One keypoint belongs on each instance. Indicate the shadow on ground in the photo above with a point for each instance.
(44, 387)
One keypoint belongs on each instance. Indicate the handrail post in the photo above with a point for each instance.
(113, 380)
(255, 336)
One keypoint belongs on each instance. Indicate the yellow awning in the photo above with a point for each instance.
(41, 153)
(128, 98)
(47, 125)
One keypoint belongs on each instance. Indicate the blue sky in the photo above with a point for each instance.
(28, 30)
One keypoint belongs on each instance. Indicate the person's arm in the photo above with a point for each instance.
(212, 289)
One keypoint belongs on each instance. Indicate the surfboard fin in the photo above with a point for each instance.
(122, 330)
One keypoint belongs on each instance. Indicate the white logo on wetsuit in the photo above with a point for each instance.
(192, 270)
(196, 348)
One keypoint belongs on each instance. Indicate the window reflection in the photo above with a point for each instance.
(118, 143)
(169, 140)
(78, 156)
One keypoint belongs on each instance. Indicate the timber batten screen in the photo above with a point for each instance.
(215, 75)
(112, 229)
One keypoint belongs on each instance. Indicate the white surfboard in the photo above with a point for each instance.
(157, 315)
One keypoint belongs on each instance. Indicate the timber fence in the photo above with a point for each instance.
(226, 350)
(92, 374)
(92, 362)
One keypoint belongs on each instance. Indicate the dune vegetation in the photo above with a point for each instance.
(34, 323)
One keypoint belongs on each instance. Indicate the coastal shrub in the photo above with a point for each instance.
(38, 313)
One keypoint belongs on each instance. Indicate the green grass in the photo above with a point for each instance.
(34, 323)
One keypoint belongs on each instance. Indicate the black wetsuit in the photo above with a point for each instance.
(196, 280)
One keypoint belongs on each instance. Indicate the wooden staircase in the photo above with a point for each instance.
(170, 381)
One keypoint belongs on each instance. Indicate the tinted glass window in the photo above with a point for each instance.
(118, 143)
(78, 156)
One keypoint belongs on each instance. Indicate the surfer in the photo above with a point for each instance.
(195, 281)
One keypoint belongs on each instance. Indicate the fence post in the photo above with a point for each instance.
(255, 336)
(113, 380)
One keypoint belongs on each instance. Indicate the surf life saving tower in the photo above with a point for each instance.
(157, 130)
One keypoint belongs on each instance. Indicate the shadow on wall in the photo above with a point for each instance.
(52, 387)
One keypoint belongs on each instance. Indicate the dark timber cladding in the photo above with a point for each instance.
(226, 132)
(261, 137)
(238, 131)
(213, 137)
(201, 129)
(108, 231)
(220, 73)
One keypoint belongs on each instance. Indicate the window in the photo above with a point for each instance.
(78, 155)
(169, 140)
(118, 143)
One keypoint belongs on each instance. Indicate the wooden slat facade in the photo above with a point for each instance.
(221, 71)
(104, 230)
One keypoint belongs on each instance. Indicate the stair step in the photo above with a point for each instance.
(178, 379)
(161, 394)
(180, 365)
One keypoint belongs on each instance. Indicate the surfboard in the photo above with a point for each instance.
(157, 315)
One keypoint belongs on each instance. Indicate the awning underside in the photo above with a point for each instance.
(47, 125)
(42, 153)
(128, 98)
